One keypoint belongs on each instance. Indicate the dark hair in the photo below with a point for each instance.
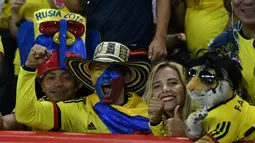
(219, 64)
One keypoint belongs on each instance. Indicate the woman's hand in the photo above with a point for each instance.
(17, 4)
(155, 110)
(175, 127)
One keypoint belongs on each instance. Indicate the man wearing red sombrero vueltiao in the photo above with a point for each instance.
(56, 82)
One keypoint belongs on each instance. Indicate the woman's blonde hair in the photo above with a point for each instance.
(186, 108)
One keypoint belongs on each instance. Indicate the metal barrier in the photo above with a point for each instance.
(57, 137)
(50, 137)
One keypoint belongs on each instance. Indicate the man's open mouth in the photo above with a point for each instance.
(107, 89)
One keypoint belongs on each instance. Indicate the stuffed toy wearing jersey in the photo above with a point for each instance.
(223, 116)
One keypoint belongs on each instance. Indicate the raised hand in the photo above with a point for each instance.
(157, 49)
(17, 4)
(38, 55)
(155, 110)
(194, 123)
(175, 126)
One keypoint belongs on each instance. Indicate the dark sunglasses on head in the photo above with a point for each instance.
(205, 76)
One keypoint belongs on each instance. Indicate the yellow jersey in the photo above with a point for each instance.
(247, 57)
(84, 115)
(230, 121)
(6, 14)
(203, 22)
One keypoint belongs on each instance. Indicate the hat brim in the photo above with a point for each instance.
(139, 71)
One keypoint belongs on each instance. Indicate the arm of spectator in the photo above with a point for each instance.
(8, 122)
(28, 110)
(157, 48)
(12, 24)
(74, 5)
(155, 112)
(16, 5)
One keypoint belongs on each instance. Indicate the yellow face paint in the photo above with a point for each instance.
(96, 71)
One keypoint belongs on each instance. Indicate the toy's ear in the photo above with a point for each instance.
(93, 39)
(25, 38)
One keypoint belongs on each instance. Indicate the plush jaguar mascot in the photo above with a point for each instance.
(223, 116)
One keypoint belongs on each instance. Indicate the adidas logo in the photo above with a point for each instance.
(91, 126)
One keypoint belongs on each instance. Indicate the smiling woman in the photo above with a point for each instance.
(238, 40)
(166, 95)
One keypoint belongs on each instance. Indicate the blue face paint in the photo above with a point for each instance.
(112, 81)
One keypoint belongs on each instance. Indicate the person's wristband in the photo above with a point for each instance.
(28, 68)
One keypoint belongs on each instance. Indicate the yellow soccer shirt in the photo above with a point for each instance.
(203, 23)
(247, 56)
(229, 121)
(6, 14)
(70, 116)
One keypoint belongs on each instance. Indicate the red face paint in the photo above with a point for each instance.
(114, 91)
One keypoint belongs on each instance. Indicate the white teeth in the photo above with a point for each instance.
(168, 98)
(249, 10)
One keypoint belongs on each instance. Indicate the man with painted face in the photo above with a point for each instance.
(113, 108)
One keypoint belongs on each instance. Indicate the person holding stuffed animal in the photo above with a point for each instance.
(169, 105)
(224, 117)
